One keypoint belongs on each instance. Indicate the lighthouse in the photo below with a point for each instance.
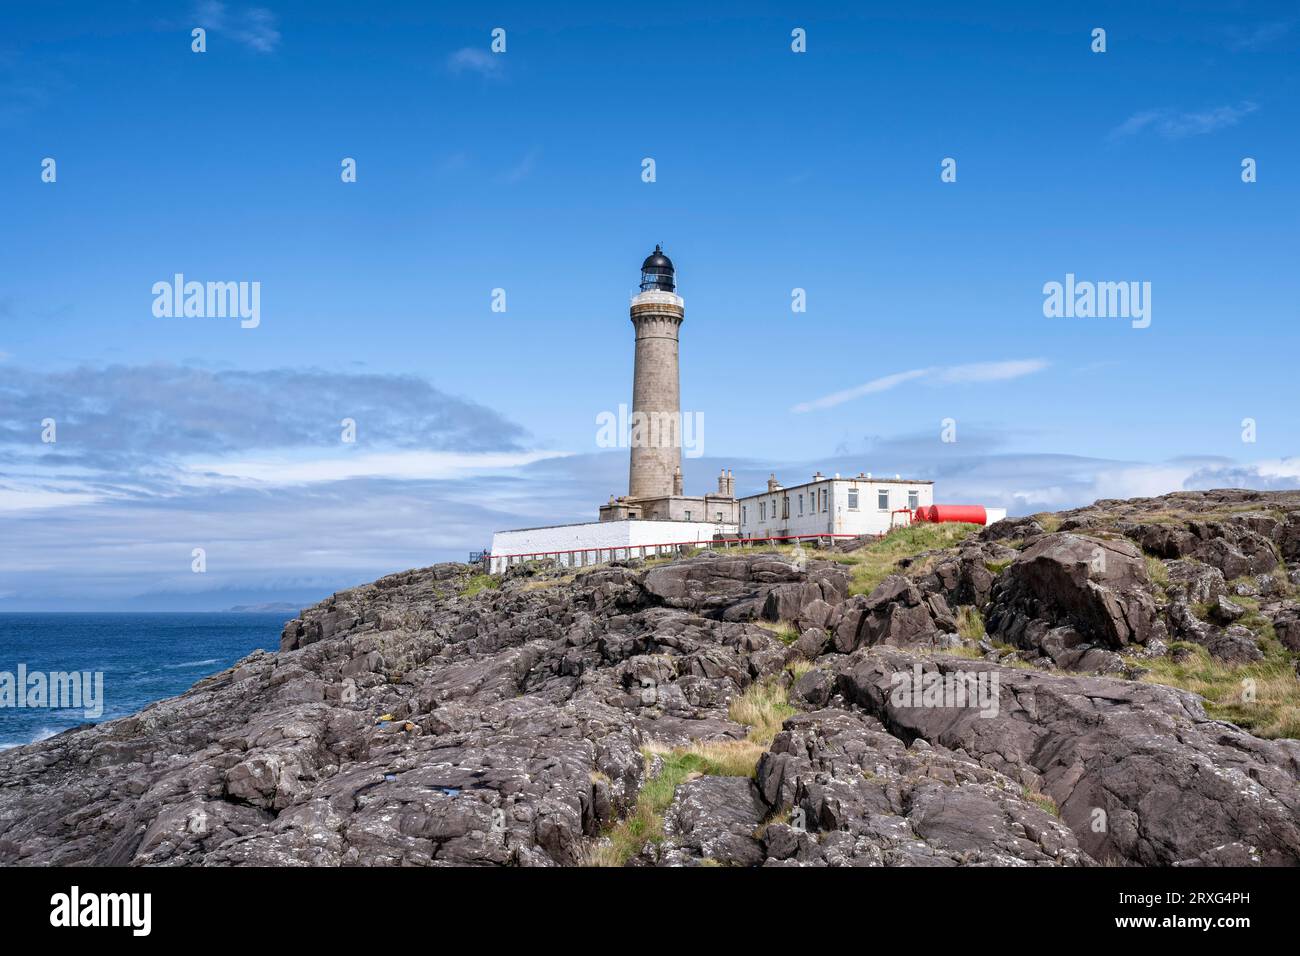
(655, 489)
(657, 313)
(656, 516)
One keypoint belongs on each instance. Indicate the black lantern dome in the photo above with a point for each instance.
(657, 273)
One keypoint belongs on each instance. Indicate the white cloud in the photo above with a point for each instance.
(39, 499)
(255, 27)
(1172, 124)
(1259, 36)
(524, 168)
(401, 465)
(972, 372)
(1147, 480)
(475, 60)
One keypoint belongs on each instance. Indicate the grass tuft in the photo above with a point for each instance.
(879, 559)
(1262, 697)
(478, 583)
(762, 707)
(970, 623)
(784, 631)
(1041, 800)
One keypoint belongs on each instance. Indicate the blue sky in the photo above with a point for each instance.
(522, 171)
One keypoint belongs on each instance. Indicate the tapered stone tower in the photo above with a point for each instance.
(657, 314)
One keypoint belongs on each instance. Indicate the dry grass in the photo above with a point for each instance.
(1049, 521)
(1267, 706)
(798, 668)
(762, 708)
(1041, 800)
(542, 584)
(1157, 572)
(970, 623)
(783, 631)
(878, 560)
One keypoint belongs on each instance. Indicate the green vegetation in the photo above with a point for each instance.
(762, 708)
(480, 582)
(970, 623)
(784, 631)
(1157, 572)
(1263, 697)
(1049, 521)
(1042, 800)
(798, 668)
(879, 559)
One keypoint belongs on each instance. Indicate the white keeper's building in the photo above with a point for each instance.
(860, 505)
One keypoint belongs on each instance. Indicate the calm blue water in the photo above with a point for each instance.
(144, 657)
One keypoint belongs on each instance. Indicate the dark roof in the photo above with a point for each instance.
(657, 262)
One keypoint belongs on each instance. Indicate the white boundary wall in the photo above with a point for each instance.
(594, 542)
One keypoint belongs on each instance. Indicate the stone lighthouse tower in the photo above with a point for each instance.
(657, 313)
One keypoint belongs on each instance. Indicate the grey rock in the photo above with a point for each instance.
(1195, 582)
(1173, 785)
(1225, 611)
(1097, 587)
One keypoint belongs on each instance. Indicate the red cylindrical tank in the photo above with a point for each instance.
(922, 514)
(971, 514)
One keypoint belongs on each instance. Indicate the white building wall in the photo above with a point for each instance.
(580, 545)
(826, 507)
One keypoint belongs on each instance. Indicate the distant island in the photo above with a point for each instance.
(274, 607)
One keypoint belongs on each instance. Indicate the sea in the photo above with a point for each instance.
(142, 657)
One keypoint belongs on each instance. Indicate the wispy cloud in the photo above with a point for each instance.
(1259, 36)
(475, 60)
(524, 168)
(938, 375)
(118, 416)
(254, 27)
(403, 466)
(1172, 124)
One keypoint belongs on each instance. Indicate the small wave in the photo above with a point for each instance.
(210, 661)
(41, 733)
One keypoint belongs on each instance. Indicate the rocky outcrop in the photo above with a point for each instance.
(966, 574)
(1075, 600)
(897, 612)
(860, 796)
(745, 588)
(1138, 771)
(420, 721)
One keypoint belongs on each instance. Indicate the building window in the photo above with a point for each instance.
(801, 504)
(826, 499)
(744, 513)
(913, 500)
(785, 507)
(688, 516)
(762, 511)
(853, 499)
(717, 516)
(882, 500)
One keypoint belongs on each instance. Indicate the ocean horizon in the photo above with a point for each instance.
(143, 656)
